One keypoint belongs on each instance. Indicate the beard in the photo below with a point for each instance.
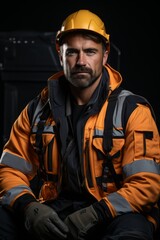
(82, 77)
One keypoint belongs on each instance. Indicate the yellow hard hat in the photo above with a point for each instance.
(83, 20)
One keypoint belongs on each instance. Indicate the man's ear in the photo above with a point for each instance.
(60, 57)
(105, 57)
(59, 53)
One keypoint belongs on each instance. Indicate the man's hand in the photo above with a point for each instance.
(81, 222)
(44, 223)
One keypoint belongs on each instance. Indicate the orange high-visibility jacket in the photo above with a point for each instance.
(138, 147)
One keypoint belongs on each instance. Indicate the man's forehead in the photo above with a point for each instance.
(83, 34)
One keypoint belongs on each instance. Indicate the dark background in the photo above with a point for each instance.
(133, 27)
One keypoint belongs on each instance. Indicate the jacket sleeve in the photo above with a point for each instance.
(18, 163)
(140, 166)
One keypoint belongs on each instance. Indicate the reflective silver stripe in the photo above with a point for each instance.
(117, 115)
(119, 203)
(116, 132)
(140, 166)
(98, 132)
(36, 119)
(16, 162)
(38, 110)
(47, 129)
(8, 197)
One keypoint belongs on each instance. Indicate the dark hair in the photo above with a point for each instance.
(86, 34)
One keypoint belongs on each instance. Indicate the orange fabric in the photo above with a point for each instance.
(21, 144)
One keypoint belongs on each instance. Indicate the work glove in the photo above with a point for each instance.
(84, 221)
(43, 222)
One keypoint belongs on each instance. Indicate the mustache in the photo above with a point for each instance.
(81, 69)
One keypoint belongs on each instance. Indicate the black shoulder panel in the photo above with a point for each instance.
(130, 104)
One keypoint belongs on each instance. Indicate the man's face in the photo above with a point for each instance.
(82, 60)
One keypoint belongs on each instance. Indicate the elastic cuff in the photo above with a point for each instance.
(103, 211)
(22, 202)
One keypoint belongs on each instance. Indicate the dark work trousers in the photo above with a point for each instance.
(126, 227)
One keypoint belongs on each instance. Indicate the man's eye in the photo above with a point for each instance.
(90, 52)
(70, 53)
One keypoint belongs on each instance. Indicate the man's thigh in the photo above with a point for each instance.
(11, 227)
(129, 226)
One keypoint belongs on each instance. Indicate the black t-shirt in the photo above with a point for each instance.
(72, 181)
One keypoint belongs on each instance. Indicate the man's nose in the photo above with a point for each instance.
(81, 59)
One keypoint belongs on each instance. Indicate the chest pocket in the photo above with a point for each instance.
(43, 140)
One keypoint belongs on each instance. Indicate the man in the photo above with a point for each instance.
(68, 170)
